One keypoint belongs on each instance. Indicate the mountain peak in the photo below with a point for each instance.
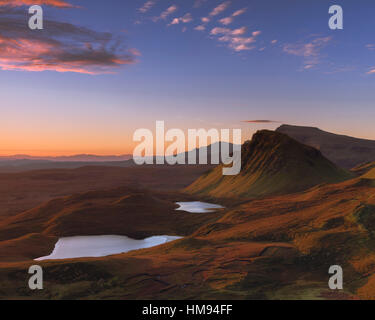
(275, 149)
(272, 163)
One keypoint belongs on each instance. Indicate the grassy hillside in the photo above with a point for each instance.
(25, 190)
(272, 163)
(125, 211)
(363, 168)
(370, 174)
(274, 248)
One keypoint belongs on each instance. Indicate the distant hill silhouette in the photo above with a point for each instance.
(345, 151)
(72, 158)
(272, 163)
(21, 163)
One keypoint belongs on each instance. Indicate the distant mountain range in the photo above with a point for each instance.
(18, 163)
(272, 163)
(345, 151)
(213, 152)
(73, 158)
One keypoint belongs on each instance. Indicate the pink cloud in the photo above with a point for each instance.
(166, 13)
(309, 51)
(242, 47)
(64, 48)
(219, 30)
(239, 12)
(235, 38)
(229, 20)
(147, 6)
(26, 55)
(243, 40)
(226, 21)
(18, 3)
(239, 31)
(227, 31)
(185, 19)
(200, 28)
(219, 9)
(135, 52)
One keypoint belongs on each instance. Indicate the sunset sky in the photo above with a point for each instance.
(102, 69)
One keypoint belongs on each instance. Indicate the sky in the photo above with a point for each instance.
(99, 70)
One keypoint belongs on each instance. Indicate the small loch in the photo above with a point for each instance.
(100, 246)
(198, 207)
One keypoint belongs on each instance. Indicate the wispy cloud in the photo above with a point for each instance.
(239, 12)
(229, 32)
(371, 71)
(166, 13)
(219, 9)
(235, 38)
(200, 28)
(310, 51)
(216, 11)
(260, 121)
(61, 47)
(146, 7)
(228, 20)
(184, 19)
(218, 30)
(135, 52)
(18, 3)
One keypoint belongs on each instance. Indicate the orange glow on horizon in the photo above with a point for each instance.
(44, 142)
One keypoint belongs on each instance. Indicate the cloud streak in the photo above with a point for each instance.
(310, 51)
(166, 13)
(61, 47)
(235, 38)
(18, 3)
(185, 19)
(260, 121)
(228, 20)
(219, 9)
(146, 7)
